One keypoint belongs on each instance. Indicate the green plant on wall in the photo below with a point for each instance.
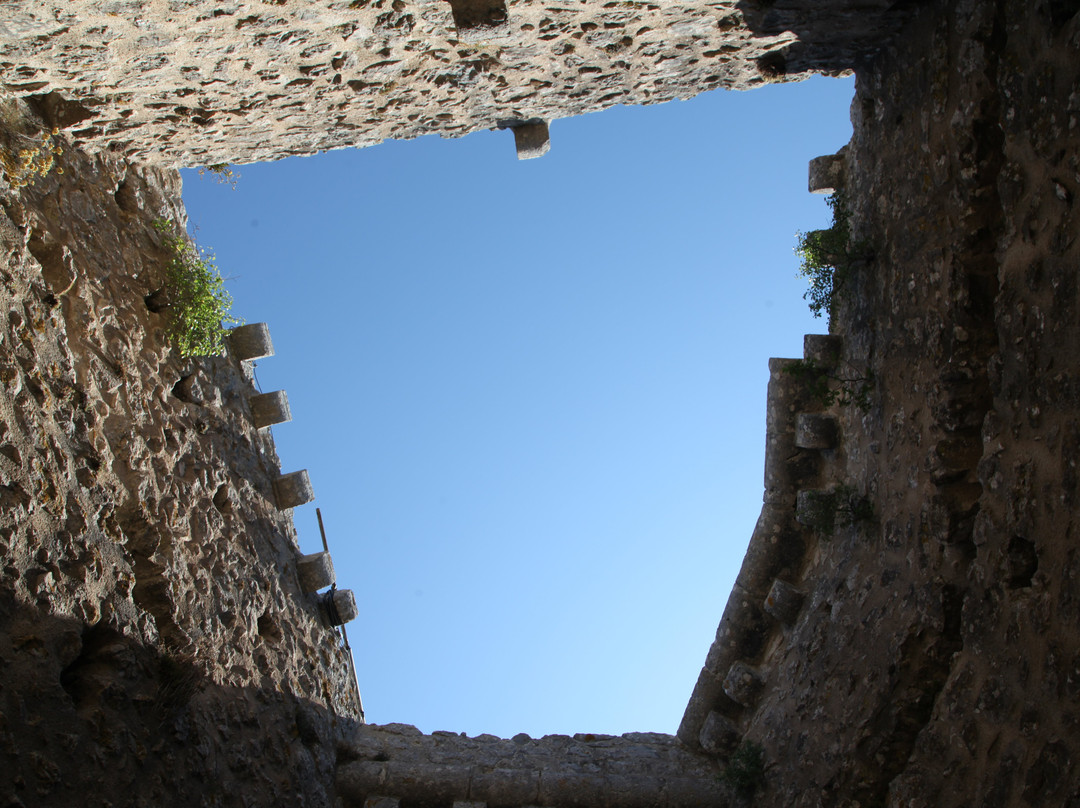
(745, 769)
(199, 306)
(26, 152)
(223, 173)
(826, 257)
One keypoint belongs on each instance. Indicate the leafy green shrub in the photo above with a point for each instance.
(221, 172)
(745, 769)
(198, 303)
(829, 386)
(26, 153)
(826, 257)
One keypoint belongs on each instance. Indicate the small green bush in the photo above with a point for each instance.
(198, 303)
(27, 153)
(745, 769)
(221, 172)
(826, 257)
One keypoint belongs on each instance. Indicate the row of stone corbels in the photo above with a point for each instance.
(765, 596)
(315, 571)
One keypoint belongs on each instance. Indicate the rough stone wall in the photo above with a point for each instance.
(936, 655)
(154, 640)
(155, 647)
(203, 82)
(397, 764)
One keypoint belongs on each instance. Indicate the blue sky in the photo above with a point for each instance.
(531, 395)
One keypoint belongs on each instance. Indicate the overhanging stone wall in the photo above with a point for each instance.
(204, 82)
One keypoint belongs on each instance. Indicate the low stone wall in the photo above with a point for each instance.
(387, 766)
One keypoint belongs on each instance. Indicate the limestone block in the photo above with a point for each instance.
(815, 508)
(293, 489)
(827, 174)
(743, 684)
(786, 468)
(340, 605)
(783, 602)
(315, 571)
(270, 408)
(718, 735)
(532, 139)
(824, 349)
(704, 696)
(251, 341)
(743, 628)
(815, 431)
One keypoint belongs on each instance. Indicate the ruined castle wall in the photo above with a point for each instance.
(204, 82)
(155, 645)
(934, 657)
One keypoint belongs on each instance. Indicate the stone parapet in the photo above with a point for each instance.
(798, 450)
(637, 770)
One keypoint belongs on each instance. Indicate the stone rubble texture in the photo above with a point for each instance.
(206, 82)
(155, 644)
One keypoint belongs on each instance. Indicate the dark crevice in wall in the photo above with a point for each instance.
(471, 15)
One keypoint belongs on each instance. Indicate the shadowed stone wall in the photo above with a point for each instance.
(398, 763)
(156, 643)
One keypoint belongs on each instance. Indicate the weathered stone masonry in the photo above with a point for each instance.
(162, 640)
(202, 82)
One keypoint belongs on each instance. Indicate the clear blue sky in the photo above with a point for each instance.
(531, 395)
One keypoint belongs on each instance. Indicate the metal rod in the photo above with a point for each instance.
(352, 667)
(344, 634)
(322, 530)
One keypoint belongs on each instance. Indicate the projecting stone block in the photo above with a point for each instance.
(719, 734)
(532, 139)
(270, 408)
(293, 489)
(823, 349)
(251, 341)
(315, 571)
(815, 431)
(827, 174)
(815, 508)
(783, 602)
(742, 684)
(340, 606)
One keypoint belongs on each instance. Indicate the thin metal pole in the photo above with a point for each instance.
(344, 634)
(322, 530)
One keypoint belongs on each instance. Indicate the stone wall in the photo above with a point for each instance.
(203, 82)
(909, 639)
(397, 764)
(156, 646)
